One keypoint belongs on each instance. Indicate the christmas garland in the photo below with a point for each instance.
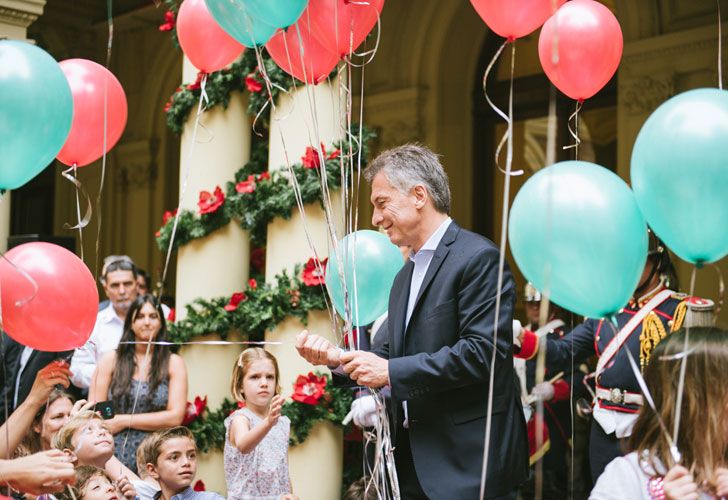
(256, 197)
(314, 400)
(255, 310)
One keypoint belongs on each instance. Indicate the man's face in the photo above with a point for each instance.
(121, 289)
(394, 211)
(93, 443)
(177, 464)
(532, 311)
(141, 285)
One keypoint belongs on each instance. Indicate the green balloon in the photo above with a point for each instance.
(36, 109)
(370, 263)
(239, 22)
(576, 232)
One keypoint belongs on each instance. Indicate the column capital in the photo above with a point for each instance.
(20, 13)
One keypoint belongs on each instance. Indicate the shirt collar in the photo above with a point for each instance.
(186, 493)
(108, 314)
(434, 240)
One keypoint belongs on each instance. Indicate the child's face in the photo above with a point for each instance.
(259, 382)
(177, 463)
(99, 488)
(93, 443)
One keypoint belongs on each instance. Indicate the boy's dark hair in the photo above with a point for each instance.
(162, 437)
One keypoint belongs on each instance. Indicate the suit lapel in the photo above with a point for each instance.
(437, 259)
(400, 311)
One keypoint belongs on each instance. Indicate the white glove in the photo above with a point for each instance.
(543, 391)
(364, 411)
(517, 329)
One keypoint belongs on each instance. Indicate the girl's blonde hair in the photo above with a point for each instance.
(241, 367)
(703, 436)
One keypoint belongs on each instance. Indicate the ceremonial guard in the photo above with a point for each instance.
(555, 427)
(654, 312)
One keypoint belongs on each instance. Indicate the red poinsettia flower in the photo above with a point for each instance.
(168, 106)
(171, 316)
(210, 202)
(169, 21)
(168, 214)
(158, 234)
(253, 84)
(252, 284)
(194, 410)
(313, 274)
(265, 176)
(199, 486)
(246, 186)
(257, 259)
(312, 158)
(241, 404)
(235, 300)
(309, 389)
(198, 81)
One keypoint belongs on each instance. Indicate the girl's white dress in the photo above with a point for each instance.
(262, 473)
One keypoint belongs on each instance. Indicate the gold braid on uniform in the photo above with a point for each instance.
(652, 332)
(679, 317)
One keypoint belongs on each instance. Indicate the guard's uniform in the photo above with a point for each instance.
(618, 394)
(553, 446)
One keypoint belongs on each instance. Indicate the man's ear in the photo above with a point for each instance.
(152, 471)
(71, 454)
(421, 195)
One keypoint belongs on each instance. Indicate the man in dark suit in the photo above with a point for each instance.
(439, 341)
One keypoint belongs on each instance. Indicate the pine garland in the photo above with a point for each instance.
(269, 198)
(263, 307)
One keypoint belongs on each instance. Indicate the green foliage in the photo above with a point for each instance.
(333, 407)
(265, 306)
(209, 429)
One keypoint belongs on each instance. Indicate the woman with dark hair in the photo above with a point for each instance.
(145, 380)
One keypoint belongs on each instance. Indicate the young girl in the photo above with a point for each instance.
(256, 448)
(698, 470)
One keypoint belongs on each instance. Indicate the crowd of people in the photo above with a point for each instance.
(104, 421)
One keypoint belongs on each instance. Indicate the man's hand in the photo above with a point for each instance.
(679, 484)
(45, 472)
(543, 391)
(366, 368)
(364, 411)
(54, 373)
(317, 350)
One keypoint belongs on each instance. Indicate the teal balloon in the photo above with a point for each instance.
(238, 22)
(370, 263)
(36, 109)
(277, 13)
(680, 174)
(577, 233)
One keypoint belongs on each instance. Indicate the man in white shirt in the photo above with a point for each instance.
(119, 279)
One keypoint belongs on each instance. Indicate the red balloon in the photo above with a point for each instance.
(203, 41)
(588, 41)
(515, 18)
(310, 61)
(342, 25)
(63, 312)
(89, 81)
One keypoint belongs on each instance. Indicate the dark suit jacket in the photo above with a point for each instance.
(11, 351)
(441, 365)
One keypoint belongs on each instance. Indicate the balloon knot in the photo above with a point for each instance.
(511, 39)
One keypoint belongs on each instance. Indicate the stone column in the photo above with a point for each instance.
(15, 17)
(315, 465)
(216, 265)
